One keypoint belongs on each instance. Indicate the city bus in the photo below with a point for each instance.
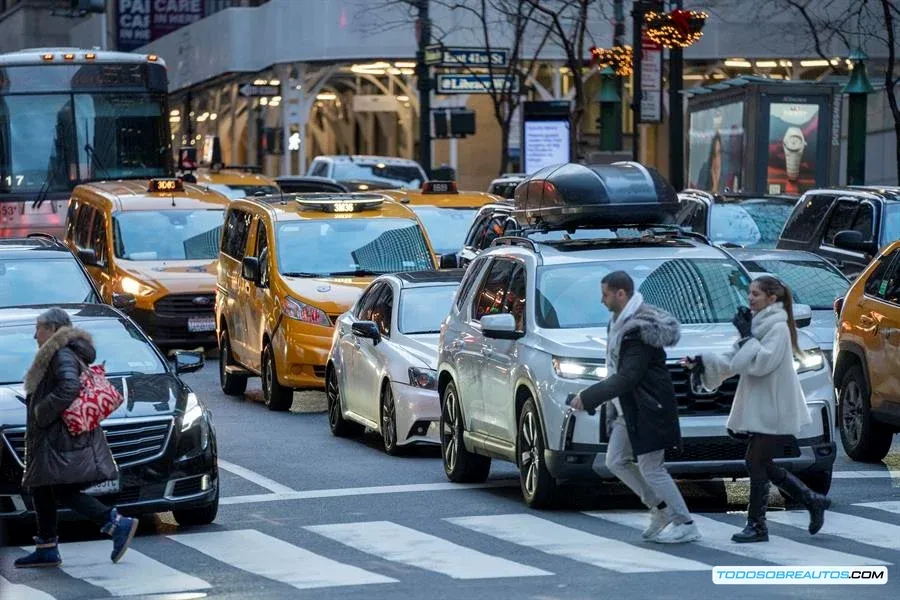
(69, 116)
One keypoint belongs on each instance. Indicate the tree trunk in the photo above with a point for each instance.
(889, 81)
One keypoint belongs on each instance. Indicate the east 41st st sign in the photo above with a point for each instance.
(442, 56)
(476, 83)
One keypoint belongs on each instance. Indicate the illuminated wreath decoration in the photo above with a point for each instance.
(677, 29)
(618, 58)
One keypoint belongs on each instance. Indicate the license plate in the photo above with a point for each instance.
(201, 324)
(106, 487)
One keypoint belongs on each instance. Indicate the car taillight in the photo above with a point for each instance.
(838, 306)
(294, 309)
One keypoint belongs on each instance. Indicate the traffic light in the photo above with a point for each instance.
(89, 6)
(453, 123)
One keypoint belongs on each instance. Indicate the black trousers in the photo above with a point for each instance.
(47, 498)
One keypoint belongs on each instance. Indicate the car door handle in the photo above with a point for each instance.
(487, 351)
(356, 344)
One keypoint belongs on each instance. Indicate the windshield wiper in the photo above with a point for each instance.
(358, 272)
(96, 161)
(304, 274)
(126, 373)
(41, 195)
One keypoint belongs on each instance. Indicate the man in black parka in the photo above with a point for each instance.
(643, 409)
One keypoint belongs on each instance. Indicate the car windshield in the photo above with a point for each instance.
(54, 281)
(119, 344)
(695, 291)
(242, 191)
(812, 282)
(168, 234)
(355, 246)
(404, 176)
(423, 309)
(751, 223)
(446, 227)
(891, 231)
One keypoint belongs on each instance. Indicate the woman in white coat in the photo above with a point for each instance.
(769, 408)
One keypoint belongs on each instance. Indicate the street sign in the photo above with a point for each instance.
(651, 81)
(441, 56)
(475, 83)
(255, 91)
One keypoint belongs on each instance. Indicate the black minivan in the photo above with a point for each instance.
(162, 436)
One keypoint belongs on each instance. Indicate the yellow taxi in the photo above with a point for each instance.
(289, 266)
(446, 212)
(867, 355)
(151, 247)
(236, 183)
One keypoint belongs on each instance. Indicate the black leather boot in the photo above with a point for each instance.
(756, 529)
(815, 503)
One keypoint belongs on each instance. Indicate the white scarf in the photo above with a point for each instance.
(614, 337)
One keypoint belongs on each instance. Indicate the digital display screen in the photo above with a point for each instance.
(546, 143)
(82, 77)
(166, 185)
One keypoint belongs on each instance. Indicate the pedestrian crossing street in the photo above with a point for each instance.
(387, 553)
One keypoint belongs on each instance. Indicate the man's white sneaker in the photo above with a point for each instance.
(659, 519)
(679, 534)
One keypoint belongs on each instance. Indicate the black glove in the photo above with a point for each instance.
(696, 363)
(742, 319)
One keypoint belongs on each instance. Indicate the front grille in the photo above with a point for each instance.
(718, 449)
(178, 305)
(700, 403)
(130, 442)
(125, 496)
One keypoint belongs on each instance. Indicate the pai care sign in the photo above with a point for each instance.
(139, 22)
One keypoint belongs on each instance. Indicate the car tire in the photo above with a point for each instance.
(817, 481)
(339, 426)
(276, 396)
(538, 485)
(864, 439)
(232, 385)
(460, 465)
(388, 422)
(203, 515)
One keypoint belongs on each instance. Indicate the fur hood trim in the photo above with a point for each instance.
(657, 327)
(63, 337)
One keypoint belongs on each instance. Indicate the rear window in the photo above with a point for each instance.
(806, 218)
(815, 283)
(54, 281)
(754, 223)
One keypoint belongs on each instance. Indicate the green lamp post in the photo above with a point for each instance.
(609, 121)
(858, 88)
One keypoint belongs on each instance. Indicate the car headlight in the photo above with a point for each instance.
(192, 412)
(809, 360)
(294, 309)
(570, 368)
(423, 378)
(132, 286)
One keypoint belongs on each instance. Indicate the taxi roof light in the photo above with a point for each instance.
(166, 185)
(440, 187)
(339, 204)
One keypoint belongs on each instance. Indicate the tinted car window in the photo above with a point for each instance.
(864, 221)
(873, 284)
(815, 283)
(841, 219)
(234, 234)
(53, 281)
(514, 303)
(890, 287)
(805, 219)
(490, 298)
(696, 291)
(367, 301)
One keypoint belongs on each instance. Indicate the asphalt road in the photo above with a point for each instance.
(305, 513)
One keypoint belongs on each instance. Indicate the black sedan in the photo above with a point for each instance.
(162, 436)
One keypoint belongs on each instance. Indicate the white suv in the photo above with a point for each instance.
(527, 329)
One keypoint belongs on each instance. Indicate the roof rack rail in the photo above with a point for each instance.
(510, 240)
(46, 236)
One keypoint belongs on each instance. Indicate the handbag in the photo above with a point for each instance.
(97, 399)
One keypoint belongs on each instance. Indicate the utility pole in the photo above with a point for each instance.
(676, 114)
(423, 73)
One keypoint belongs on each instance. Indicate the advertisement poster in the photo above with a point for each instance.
(793, 139)
(546, 143)
(139, 22)
(716, 149)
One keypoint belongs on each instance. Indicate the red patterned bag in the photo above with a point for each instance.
(96, 400)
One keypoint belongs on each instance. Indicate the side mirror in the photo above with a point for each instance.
(122, 301)
(449, 261)
(802, 315)
(367, 329)
(500, 326)
(853, 240)
(88, 257)
(188, 361)
(250, 269)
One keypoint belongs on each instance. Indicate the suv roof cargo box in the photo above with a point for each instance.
(572, 195)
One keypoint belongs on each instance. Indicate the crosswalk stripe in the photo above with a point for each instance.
(21, 592)
(397, 543)
(892, 506)
(778, 550)
(136, 574)
(255, 552)
(858, 529)
(559, 540)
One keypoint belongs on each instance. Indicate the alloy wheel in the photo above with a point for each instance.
(851, 413)
(334, 398)
(388, 422)
(450, 432)
(529, 456)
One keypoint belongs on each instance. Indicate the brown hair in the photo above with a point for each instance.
(772, 286)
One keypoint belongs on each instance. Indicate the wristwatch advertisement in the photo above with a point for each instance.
(794, 143)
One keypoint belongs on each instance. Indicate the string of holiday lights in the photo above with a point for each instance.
(677, 29)
(618, 58)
